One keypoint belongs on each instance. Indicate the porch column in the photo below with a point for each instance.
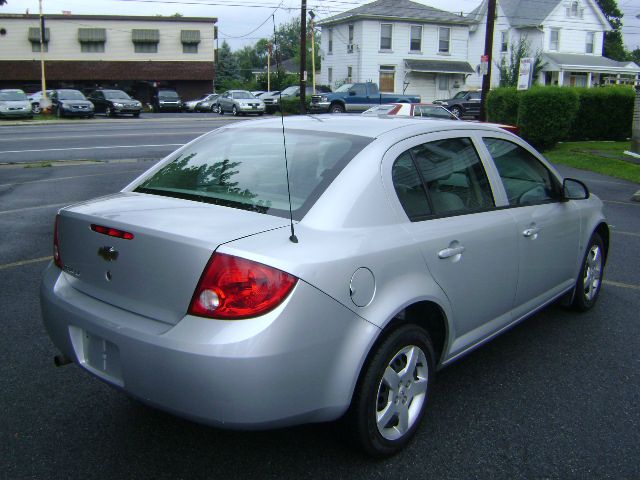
(588, 79)
(560, 78)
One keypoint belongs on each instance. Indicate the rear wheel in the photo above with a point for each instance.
(59, 113)
(108, 112)
(590, 278)
(336, 108)
(457, 111)
(35, 108)
(391, 396)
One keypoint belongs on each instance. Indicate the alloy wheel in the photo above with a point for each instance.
(592, 273)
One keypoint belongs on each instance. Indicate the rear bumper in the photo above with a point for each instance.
(296, 364)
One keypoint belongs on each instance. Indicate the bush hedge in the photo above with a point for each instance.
(542, 113)
(502, 105)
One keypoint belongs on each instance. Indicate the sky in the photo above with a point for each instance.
(243, 22)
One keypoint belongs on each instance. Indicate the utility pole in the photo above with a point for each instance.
(313, 50)
(488, 50)
(44, 101)
(303, 57)
(269, 51)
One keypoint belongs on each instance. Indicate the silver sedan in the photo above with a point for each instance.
(213, 288)
(239, 102)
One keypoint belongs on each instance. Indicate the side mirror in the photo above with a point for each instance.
(573, 189)
(352, 93)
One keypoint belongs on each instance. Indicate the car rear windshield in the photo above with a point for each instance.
(70, 95)
(115, 94)
(12, 96)
(245, 168)
(167, 94)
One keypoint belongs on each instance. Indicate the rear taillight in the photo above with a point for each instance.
(56, 244)
(234, 288)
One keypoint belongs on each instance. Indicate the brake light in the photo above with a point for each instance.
(112, 232)
(56, 244)
(234, 288)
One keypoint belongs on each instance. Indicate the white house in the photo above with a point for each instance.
(568, 33)
(401, 45)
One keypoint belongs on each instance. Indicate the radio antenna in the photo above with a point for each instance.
(292, 237)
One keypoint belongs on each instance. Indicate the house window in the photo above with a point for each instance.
(416, 38)
(590, 42)
(386, 31)
(34, 38)
(145, 40)
(349, 74)
(504, 41)
(387, 78)
(330, 48)
(350, 44)
(190, 40)
(574, 9)
(330, 75)
(444, 39)
(443, 82)
(554, 41)
(92, 40)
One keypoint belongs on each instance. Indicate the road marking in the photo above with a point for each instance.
(626, 233)
(612, 201)
(92, 148)
(66, 137)
(621, 285)
(51, 205)
(67, 178)
(25, 262)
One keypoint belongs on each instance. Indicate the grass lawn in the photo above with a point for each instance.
(607, 158)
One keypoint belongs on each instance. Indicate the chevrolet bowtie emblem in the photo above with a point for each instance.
(109, 254)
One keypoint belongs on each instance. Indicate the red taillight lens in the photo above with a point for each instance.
(112, 232)
(56, 244)
(233, 288)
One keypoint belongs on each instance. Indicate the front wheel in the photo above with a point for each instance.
(234, 111)
(391, 396)
(59, 113)
(35, 108)
(590, 278)
(457, 111)
(336, 108)
(108, 112)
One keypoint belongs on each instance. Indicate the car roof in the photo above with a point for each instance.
(361, 125)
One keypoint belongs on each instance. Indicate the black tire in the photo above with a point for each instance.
(136, 115)
(234, 111)
(59, 113)
(372, 396)
(108, 112)
(336, 108)
(589, 281)
(35, 108)
(457, 111)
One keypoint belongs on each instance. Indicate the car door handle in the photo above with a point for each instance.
(450, 252)
(531, 232)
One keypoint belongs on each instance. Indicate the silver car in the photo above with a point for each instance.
(212, 288)
(239, 102)
(14, 104)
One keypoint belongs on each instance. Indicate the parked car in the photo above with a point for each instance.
(462, 104)
(190, 106)
(114, 102)
(14, 104)
(239, 102)
(71, 103)
(415, 242)
(258, 93)
(207, 105)
(36, 98)
(272, 99)
(425, 110)
(356, 97)
(167, 100)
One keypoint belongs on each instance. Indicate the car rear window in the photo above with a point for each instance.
(245, 169)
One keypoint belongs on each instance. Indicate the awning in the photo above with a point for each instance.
(142, 35)
(554, 62)
(190, 36)
(92, 35)
(437, 66)
(34, 35)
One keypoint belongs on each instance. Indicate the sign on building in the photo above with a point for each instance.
(525, 73)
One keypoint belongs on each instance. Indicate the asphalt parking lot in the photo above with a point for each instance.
(556, 397)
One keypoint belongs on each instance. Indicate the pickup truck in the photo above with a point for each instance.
(356, 97)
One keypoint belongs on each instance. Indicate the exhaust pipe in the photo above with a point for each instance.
(61, 360)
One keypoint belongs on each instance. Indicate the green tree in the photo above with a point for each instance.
(228, 70)
(635, 56)
(509, 71)
(613, 44)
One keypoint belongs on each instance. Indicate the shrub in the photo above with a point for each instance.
(545, 115)
(502, 105)
(603, 114)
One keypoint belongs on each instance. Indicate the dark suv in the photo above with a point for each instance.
(114, 102)
(167, 100)
(463, 104)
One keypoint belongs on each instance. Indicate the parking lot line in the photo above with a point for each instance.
(617, 202)
(621, 285)
(51, 205)
(25, 262)
(626, 233)
(66, 178)
(92, 148)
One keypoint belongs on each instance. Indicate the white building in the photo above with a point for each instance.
(134, 53)
(401, 45)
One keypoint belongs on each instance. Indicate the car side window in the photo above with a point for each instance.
(454, 176)
(526, 180)
(409, 188)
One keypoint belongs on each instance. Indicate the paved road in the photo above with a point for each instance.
(101, 138)
(556, 397)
